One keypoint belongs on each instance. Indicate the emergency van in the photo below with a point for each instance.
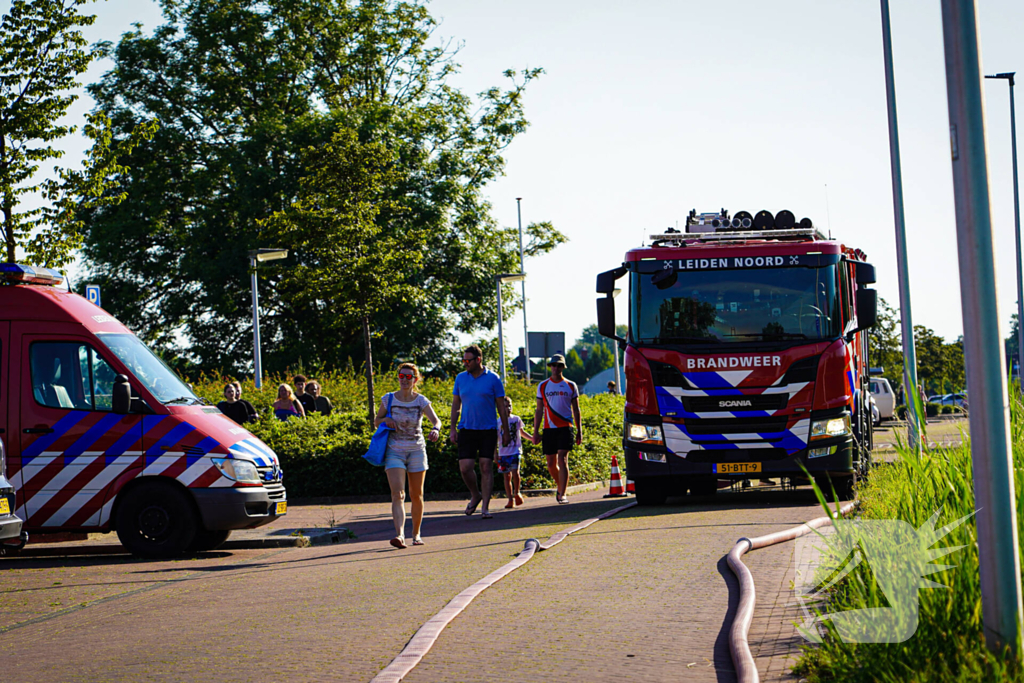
(745, 357)
(101, 435)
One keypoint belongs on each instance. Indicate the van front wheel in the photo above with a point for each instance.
(156, 521)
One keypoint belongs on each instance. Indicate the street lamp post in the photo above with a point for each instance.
(991, 453)
(1008, 77)
(259, 256)
(522, 269)
(498, 279)
(914, 418)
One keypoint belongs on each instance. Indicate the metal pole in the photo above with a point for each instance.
(501, 339)
(257, 367)
(986, 378)
(914, 418)
(1016, 226)
(522, 269)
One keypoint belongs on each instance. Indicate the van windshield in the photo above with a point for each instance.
(147, 367)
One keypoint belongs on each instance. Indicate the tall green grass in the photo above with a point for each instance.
(948, 645)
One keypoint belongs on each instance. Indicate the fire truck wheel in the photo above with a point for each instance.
(156, 520)
(208, 540)
(843, 487)
(650, 491)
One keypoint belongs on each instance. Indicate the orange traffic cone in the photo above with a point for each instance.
(629, 486)
(615, 489)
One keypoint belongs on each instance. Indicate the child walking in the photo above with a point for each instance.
(508, 456)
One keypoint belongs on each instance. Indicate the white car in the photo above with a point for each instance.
(884, 397)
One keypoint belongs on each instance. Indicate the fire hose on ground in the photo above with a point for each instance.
(739, 648)
(427, 635)
(746, 671)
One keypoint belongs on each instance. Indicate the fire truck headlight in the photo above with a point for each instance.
(242, 471)
(835, 426)
(645, 433)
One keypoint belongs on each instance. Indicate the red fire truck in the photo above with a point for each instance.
(746, 356)
(101, 435)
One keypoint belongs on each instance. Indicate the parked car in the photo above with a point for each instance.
(876, 416)
(958, 400)
(10, 524)
(884, 397)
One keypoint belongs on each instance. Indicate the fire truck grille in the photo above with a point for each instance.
(736, 425)
(740, 455)
(707, 404)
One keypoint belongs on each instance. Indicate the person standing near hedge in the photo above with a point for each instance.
(322, 404)
(249, 408)
(234, 408)
(556, 397)
(307, 401)
(407, 450)
(287, 406)
(480, 392)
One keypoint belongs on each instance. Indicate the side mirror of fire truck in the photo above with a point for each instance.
(606, 304)
(867, 309)
(122, 395)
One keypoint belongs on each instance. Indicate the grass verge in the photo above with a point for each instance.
(948, 645)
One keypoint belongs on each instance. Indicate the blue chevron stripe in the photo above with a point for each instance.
(62, 427)
(94, 434)
(177, 433)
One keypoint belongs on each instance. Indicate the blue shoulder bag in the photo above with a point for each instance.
(379, 441)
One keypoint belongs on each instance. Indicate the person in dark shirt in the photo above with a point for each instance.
(239, 411)
(307, 401)
(323, 404)
(249, 408)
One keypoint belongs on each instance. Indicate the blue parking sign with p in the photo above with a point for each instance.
(92, 293)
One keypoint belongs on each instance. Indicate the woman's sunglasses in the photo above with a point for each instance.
(400, 376)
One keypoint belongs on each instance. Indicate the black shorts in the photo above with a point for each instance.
(477, 443)
(557, 439)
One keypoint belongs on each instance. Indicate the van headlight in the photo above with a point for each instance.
(833, 426)
(644, 434)
(242, 471)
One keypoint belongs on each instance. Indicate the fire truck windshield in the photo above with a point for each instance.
(720, 306)
(148, 368)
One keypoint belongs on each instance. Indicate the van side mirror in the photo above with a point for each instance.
(121, 398)
(867, 308)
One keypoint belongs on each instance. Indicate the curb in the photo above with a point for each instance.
(314, 537)
(578, 488)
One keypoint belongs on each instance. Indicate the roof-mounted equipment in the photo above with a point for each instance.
(15, 274)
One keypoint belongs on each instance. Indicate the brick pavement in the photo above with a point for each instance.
(651, 583)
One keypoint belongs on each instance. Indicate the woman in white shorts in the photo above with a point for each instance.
(407, 449)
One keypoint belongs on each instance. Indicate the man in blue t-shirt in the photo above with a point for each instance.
(477, 394)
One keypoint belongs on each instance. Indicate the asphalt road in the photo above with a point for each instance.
(645, 595)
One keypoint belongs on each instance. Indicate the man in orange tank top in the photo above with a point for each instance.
(556, 398)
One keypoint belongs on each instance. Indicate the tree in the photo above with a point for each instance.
(241, 87)
(42, 51)
(931, 359)
(600, 358)
(574, 369)
(348, 264)
(885, 343)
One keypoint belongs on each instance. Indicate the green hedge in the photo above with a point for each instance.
(322, 456)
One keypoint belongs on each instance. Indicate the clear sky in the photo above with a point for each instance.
(650, 109)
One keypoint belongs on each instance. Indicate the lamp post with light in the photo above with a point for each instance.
(258, 256)
(498, 279)
(1008, 77)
